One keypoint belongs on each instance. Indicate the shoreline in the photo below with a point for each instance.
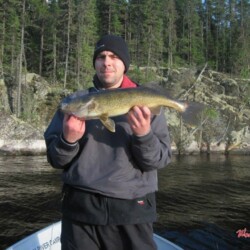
(38, 147)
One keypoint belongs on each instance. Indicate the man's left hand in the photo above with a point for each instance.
(139, 119)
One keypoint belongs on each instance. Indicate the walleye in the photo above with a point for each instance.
(114, 102)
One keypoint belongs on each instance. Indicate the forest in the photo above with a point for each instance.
(56, 38)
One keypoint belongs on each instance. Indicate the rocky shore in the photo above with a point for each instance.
(38, 147)
(225, 130)
(22, 147)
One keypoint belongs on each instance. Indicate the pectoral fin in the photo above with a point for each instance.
(107, 122)
(156, 110)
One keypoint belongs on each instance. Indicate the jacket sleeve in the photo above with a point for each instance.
(59, 153)
(153, 151)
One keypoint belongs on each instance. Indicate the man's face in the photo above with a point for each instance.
(109, 69)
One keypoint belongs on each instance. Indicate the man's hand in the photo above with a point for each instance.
(73, 128)
(139, 119)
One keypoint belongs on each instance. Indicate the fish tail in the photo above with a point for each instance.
(192, 113)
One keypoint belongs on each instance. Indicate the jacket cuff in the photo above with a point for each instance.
(146, 139)
(66, 145)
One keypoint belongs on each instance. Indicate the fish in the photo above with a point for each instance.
(104, 104)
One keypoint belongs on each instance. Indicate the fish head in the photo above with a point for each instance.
(77, 106)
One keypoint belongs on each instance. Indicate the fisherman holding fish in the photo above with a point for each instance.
(109, 165)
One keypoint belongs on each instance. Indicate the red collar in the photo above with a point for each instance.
(127, 83)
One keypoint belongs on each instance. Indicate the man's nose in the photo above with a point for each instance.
(107, 60)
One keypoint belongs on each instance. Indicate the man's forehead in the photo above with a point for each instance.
(107, 53)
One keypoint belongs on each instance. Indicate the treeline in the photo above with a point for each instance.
(55, 38)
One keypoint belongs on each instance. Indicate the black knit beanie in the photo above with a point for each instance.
(115, 44)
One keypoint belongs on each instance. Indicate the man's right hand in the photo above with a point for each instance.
(73, 128)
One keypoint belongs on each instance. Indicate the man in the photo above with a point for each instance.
(109, 179)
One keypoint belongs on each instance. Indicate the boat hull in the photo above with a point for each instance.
(49, 238)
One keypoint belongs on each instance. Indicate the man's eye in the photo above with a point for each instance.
(100, 57)
(103, 57)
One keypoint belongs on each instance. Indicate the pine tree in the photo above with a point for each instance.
(241, 47)
(190, 32)
(21, 56)
(52, 40)
(170, 37)
(10, 35)
(146, 32)
(3, 17)
(135, 30)
(111, 16)
(85, 40)
(208, 32)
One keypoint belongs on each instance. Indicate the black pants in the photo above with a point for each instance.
(79, 236)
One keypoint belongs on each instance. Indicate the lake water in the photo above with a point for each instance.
(202, 201)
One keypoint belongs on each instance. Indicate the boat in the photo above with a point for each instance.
(49, 238)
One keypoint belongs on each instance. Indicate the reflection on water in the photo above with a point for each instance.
(202, 201)
(208, 193)
(29, 197)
